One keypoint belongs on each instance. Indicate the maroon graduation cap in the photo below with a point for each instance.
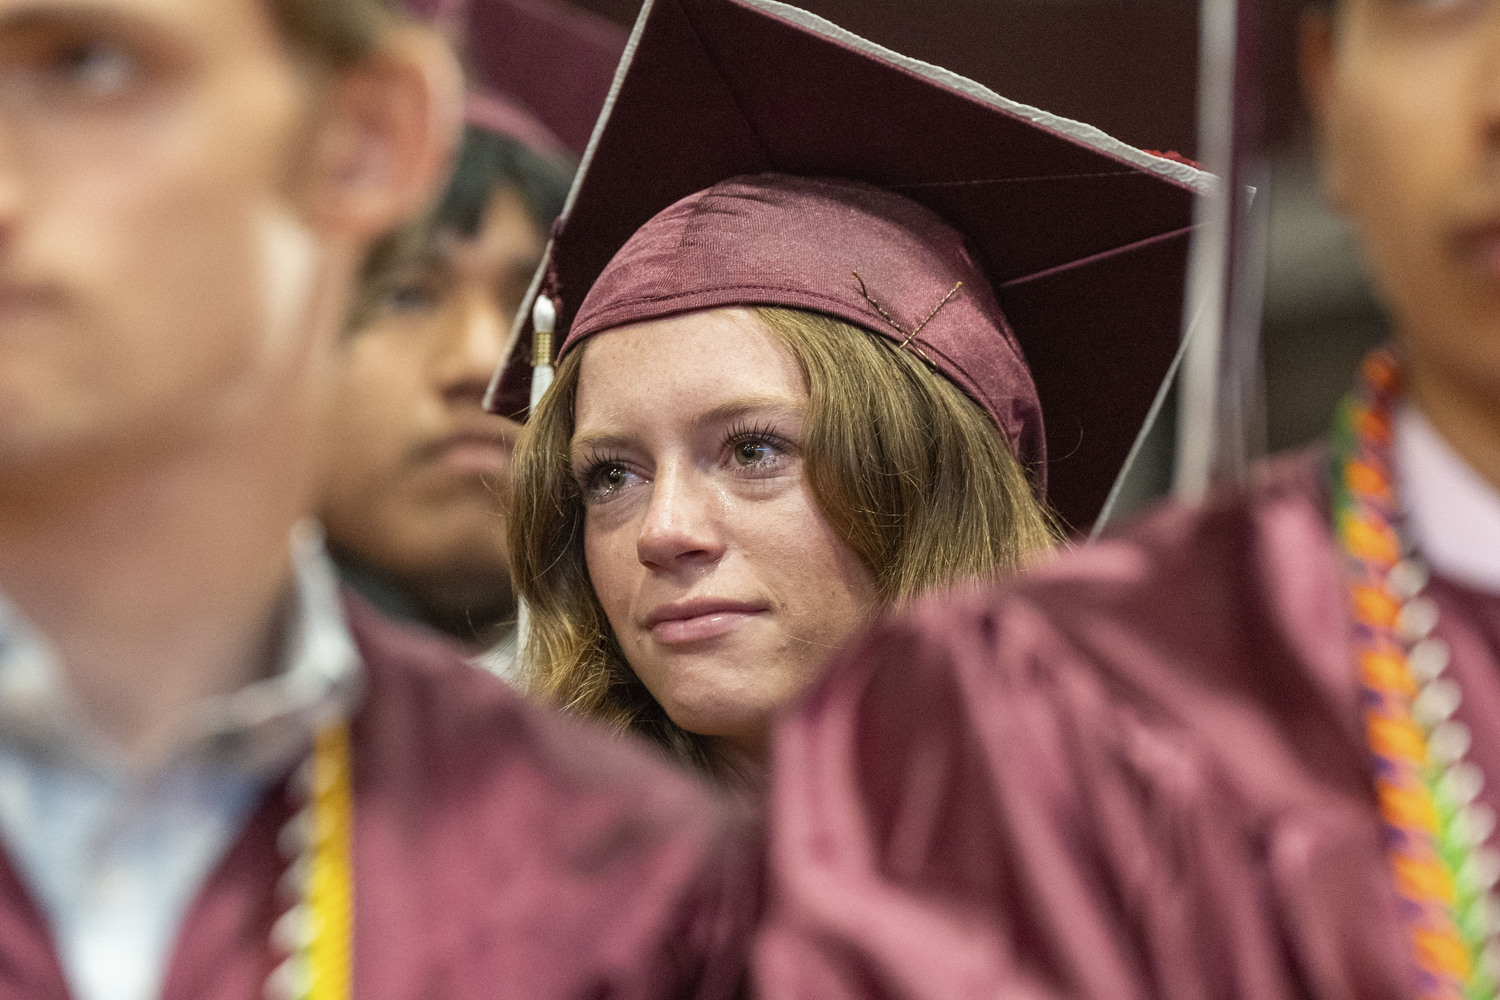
(785, 161)
(539, 69)
(552, 60)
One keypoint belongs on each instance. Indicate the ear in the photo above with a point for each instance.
(384, 141)
(1316, 58)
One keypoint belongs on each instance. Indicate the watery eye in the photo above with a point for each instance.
(604, 481)
(751, 452)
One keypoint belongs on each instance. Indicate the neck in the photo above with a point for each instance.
(479, 615)
(159, 576)
(1465, 412)
(475, 608)
(742, 766)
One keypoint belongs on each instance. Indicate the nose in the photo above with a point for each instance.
(682, 530)
(473, 342)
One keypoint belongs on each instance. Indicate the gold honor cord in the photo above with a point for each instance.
(320, 928)
(330, 891)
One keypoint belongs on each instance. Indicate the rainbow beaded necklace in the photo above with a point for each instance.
(1425, 786)
(316, 933)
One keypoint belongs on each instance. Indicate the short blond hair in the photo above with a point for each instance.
(909, 472)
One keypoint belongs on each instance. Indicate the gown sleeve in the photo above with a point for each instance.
(1126, 780)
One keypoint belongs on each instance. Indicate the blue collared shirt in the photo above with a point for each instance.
(115, 852)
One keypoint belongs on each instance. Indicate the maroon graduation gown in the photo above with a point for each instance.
(500, 852)
(1139, 772)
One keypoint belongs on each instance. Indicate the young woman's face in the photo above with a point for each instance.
(722, 580)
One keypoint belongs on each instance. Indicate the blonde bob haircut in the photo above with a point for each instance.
(909, 472)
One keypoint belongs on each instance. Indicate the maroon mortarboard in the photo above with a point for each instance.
(540, 70)
(498, 114)
(551, 59)
(755, 154)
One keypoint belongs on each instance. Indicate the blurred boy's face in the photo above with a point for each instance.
(1407, 94)
(416, 468)
(153, 266)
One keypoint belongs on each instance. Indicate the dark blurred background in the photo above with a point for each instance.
(1131, 68)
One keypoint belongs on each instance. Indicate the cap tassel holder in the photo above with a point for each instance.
(543, 323)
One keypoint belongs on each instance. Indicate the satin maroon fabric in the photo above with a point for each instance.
(500, 851)
(1138, 773)
(851, 250)
(553, 59)
(499, 114)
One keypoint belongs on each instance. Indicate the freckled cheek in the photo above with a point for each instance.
(609, 554)
(817, 577)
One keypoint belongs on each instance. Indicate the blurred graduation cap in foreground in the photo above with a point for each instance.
(539, 70)
(1083, 239)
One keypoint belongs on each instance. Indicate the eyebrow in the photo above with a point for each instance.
(735, 409)
(38, 17)
(727, 412)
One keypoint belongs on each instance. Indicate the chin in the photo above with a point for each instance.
(737, 726)
(727, 686)
(738, 715)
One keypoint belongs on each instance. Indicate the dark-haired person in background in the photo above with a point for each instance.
(1249, 748)
(221, 777)
(416, 470)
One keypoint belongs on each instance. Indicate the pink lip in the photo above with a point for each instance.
(475, 453)
(470, 450)
(699, 619)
